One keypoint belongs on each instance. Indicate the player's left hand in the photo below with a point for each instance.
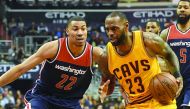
(103, 89)
(179, 81)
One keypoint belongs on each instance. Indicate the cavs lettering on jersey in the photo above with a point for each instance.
(66, 77)
(180, 44)
(134, 70)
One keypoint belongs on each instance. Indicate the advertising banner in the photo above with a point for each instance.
(54, 18)
(31, 74)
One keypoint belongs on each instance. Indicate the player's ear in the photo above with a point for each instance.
(67, 31)
(127, 25)
(159, 30)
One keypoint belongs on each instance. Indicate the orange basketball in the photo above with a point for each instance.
(163, 87)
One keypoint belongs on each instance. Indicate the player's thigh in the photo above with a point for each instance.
(180, 99)
(37, 103)
(186, 100)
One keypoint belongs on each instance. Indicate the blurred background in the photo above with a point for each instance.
(26, 24)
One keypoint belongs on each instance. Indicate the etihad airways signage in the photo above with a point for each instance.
(62, 17)
(160, 15)
(56, 17)
(31, 74)
(156, 13)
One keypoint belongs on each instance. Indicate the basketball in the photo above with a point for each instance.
(163, 87)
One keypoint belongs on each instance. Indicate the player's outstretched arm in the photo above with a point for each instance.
(97, 51)
(103, 90)
(106, 74)
(48, 50)
(102, 62)
(157, 46)
(164, 34)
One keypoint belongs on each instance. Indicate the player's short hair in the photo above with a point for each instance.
(119, 14)
(75, 18)
(184, 1)
(154, 20)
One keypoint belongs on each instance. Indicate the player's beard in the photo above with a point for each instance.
(120, 41)
(183, 20)
(157, 32)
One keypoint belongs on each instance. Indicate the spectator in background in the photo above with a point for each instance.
(18, 95)
(32, 30)
(58, 33)
(3, 99)
(97, 38)
(21, 30)
(42, 29)
(9, 96)
(136, 27)
(12, 54)
(19, 100)
(12, 25)
(20, 23)
(100, 106)
(86, 101)
(1, 90)
(19, 104)
(153, 26)
(168, 24)
(20, 55)
(3, 58)
(1, 30)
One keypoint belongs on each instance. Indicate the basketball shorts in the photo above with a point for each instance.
(38, 103)
(184, 98)
(152, 104)
(35, 101)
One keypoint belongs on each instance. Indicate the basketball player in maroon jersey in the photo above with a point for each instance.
(66, 70)
(178, 38)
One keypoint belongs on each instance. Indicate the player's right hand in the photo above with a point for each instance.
(102, 90)
(125, 96)
(180, 85)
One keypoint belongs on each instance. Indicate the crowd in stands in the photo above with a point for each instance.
(14, 99)
(61, 4)
(17, 28)
(13, 56)
(11, 99)
(70, 4)
(89, 102)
